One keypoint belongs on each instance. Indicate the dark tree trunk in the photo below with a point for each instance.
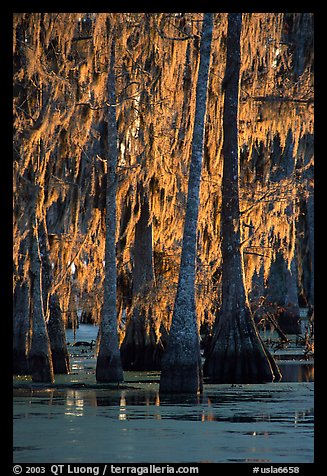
(256, 295)
(21, 324)
(181, 369)
(282, 294)
(289, 319)
(282, 287)
(52, 311)
(108, 366)
(140, 349)
(237, 353)
(71, 320)
(310, 232)
(57, 336)
(40, 359)
(21, 328)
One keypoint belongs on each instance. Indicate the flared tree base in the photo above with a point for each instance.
(140, 349)
(60, 361)
(181, 368)
(41, 368)
(176, 379)
(238, 355)
(241, 369)
(108, 369)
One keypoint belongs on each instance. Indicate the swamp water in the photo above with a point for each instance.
(78, 421)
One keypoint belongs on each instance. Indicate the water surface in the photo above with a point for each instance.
(78, 421)
(271, 422)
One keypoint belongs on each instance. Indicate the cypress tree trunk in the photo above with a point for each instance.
(52, 311)
(57, 336)
(310, 235)
(139, 349)
(20, 328)
(237, 354)
(108, 366)
(40, 359)
(21, 323)
(289, 320)
(282, 294)
(310, 232)
(181, 369)
(282, 287)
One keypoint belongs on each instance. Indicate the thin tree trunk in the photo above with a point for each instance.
(40, 359)
(310, 232)
(108, 366)
(237, 353)
(289, 320)
(181, 369)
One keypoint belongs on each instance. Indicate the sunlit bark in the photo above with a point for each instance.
(52, 311)
(237, 353)
(108, 367)
(40, 358)
(181, 369)
(60, 95)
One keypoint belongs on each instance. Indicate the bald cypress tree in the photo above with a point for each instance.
(109, 367)
(237, 353)
(181, 369)
(40, 357)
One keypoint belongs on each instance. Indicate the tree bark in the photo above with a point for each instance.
(289, 320)
(57, 336)
(237, 353)
(52, 311)
(40, 358)
(181, 369)
(108, 366)
(310, 232)
(21, 325)
(282, 288)
(140, 349)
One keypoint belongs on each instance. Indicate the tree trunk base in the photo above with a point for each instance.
(237, 353)
(41, 368)
(182, 378)
(244, 368)
(108, 369)
(140, 350)
(20, 363)
(60, 361)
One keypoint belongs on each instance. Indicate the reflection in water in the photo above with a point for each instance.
(147, 404)
(123, 405)
(74, 403)
(139, 405)
(122, 410)
(181, 399)
(259, 421)
(133, 403)
(128, 401)
(293, 372)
